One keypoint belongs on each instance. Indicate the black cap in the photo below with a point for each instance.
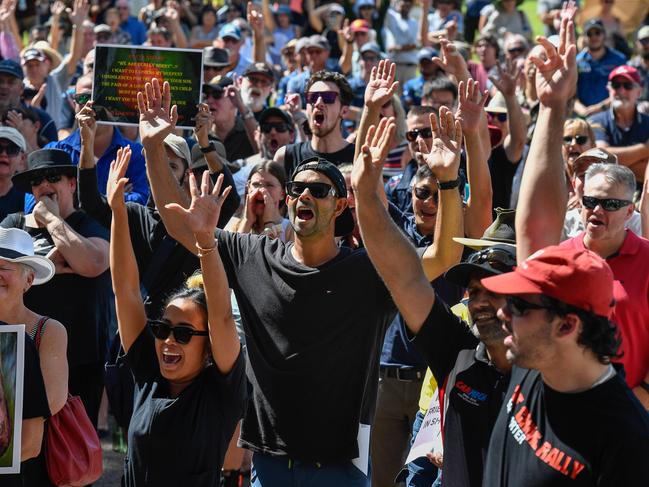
(345, 221)
(219, 83)
(597, 23)
(215, 57)
(44, 162)
(260, 68)
(276, 112)
(11, 67)
(489, 261)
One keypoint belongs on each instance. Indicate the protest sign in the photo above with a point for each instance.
(12, 360)
(122, 71)
(429, 437)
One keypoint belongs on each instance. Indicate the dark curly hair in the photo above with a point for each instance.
(598, 333)
(346, 94)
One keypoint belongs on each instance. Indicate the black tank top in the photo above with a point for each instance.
(296, 153)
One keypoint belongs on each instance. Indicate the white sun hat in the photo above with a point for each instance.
(17, 246)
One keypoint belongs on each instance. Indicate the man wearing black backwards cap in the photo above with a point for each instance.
(314, 314)
(78, 295)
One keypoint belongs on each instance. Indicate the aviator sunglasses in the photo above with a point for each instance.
(182, 334)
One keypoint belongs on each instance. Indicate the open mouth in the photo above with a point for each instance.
(573, 154)
(304, 214)
(595, 222)
(170, 358)
(482, 318)
(273, 144)
(318, 118)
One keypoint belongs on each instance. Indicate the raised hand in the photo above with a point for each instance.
(46, 211)
(382, 85)
(471, 105)
(79, 12)
(203, 124)
(157, 119)
(507, 79)
(451, 61)
(368, 168)
(443, 157)
(255, 17)
(87, 123)
(271, 208)
(556, 77)
(7, 10)
(293, 102)
(203, 213)
(57, 8)
(346, 32)
(37, 99)
(117, 181)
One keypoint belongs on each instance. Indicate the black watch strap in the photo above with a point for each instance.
(645, 386)
(449, 184)
(210, 147)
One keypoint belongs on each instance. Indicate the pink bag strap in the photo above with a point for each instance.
(39, 331)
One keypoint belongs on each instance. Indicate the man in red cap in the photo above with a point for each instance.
(623, 130)
(568, 416)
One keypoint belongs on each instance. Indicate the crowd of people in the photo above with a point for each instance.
(384, 208)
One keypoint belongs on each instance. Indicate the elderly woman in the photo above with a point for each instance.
(19, 270)
(189, 373)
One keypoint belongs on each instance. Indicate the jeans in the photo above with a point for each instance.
(270, 471)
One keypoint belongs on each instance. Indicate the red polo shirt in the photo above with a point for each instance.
(631, 270)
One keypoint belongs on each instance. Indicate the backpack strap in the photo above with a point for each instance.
(39, 331)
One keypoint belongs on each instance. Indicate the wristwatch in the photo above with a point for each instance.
(210, 147)
(449, 184)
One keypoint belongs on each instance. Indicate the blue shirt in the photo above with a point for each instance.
(398, 350)
(606, 130)
(593, 75)
(136, 29)
(358, 86)
(136, 172)
(398, 188)
(412, 91)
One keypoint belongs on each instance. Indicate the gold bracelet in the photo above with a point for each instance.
(203, 252)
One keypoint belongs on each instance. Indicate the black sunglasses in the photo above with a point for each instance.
(216, 94)
(627, 85)
(424, 193)
(10, 149)
(515, 50)
(317, 190)
(501, 117)
(519, 307)
(328, 97)
(498, 259)
(608, 204)
(579, 139)
(280, 127)
(594, 32)
(426, 133)
(182, 334)
(55, 178)
(81, 98)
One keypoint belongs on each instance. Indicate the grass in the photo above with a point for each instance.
(529, 7)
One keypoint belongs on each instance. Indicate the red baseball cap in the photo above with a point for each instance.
(360, 25)
(627, 72)
(577, 277)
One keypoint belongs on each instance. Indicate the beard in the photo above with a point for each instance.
(253, 99)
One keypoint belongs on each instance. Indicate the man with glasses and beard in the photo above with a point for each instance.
(623, 130)
(256, 85)
(328, 96)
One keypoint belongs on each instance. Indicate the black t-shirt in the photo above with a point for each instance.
(474, 397)
(237, 144)
(296, 153)
(12, 202)
(83, 305)
(35, 405)
(313, 337)
(502, 176)
(182, 440)
(599, 437)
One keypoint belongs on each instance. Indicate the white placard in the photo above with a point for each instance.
(429, 436)
(12, 366)
(363, 439)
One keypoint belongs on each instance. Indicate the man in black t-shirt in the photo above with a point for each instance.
(314, 316)
(79, 294)
(328, 96)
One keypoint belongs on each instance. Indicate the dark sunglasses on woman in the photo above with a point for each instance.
(579, 139)
(182, 334)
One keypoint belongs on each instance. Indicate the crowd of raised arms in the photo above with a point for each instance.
(394, 223)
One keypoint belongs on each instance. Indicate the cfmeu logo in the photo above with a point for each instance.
(469, 394)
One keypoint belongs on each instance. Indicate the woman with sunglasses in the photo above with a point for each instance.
(187, 366)
(578, 137)
(264, 207)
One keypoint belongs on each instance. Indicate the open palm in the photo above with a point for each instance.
(381, 86)
(116, 177)
(205, 208)
(157, 119)
(443, 157)
(471, 105)
(368, 168)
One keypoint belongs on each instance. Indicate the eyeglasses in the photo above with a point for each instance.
(578, 139)
(645, 41)
(317, 190)
(498, 259)
(10, 149)
(259, 81)
(516, 50)
(627, 85)
(519, 307)
(426, 133)
(423, 194)
(216, 94)
(594, 33)
(328, 97)
(55, 178)
(608, 204)
(501, 117)
(280, 127)
(182, 334)
(81, 98)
